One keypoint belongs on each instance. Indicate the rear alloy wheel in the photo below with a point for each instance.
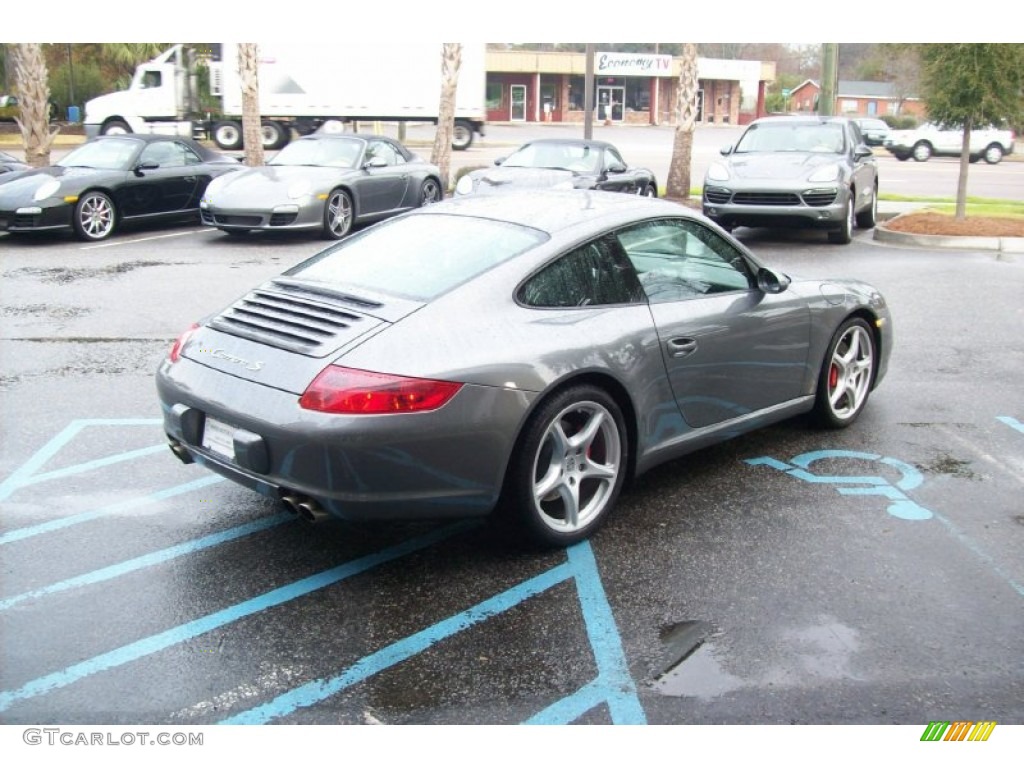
(95, 216)
(430, 192)
(338, 215)
(844, 235)
(993, 154)
(846, 375)
(866, 219)
(922, 151)
(273, 134)
(570, 467)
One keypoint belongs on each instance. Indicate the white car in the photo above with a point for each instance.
(989, 144)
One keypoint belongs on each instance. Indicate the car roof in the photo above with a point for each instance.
(556, 211)
(571, 142)
(798, 119)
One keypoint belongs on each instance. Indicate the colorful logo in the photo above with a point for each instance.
(960, 730)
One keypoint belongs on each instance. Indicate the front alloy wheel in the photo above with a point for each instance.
(845, 234)
(95, 216)
(338, 215)
(571, 466)
(846, 375)
(430, 192)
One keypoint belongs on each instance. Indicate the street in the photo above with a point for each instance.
(868, 576)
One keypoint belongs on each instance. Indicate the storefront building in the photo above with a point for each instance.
(632, 88)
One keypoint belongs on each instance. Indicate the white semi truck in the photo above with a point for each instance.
(302, 86)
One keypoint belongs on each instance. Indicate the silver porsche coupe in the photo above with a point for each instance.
(521, 355)
(325, 183)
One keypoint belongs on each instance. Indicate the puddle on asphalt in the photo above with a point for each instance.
(700, 676)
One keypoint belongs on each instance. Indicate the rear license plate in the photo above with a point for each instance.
(218, 438)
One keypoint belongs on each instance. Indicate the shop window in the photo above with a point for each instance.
(495, 91)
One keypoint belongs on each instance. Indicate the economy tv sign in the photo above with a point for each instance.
(959, 730)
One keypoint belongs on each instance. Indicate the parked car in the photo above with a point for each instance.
(523, 353)
(110, 181)
(875, 131)
(795, 172)
(9, 164)
(930, 139)
(324, 182)
(9, 108)
(562, 164)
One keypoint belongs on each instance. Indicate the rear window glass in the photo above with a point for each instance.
(418, 257)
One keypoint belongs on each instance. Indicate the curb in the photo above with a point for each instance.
(1007, 245)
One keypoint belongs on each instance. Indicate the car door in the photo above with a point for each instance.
(865, 167)
(385, 179)
(729, 349)
(169, 184)
(613, 177)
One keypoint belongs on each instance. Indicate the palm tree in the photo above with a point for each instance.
(123, 58)
(680, 170)
(32, 85)
(441, 156)
(248, 72)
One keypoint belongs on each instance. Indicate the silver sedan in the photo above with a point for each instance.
(326, 183)
(521, 354)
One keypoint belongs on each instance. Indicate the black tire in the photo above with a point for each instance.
(921, 152)
(902, 158)
(649, 191)
(339, 215)
(430, 192)
(115, 128)
(274, 134)
(866, 219)
(844, 235)
(993, 154)
(569, 466)
(227, 134)
(847, 374)
(462, 135)
(94, 217)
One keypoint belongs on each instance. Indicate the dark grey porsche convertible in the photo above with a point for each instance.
(109, 181)
(522, 353)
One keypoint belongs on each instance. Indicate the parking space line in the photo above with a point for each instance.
(1011, 422)
(29, 469)
(613, 685)
(107, 461)
(115, 243)
(151, 559)
(189, 630)
(20, 534)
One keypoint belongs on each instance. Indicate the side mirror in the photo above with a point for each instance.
(861, 151)
(726, 150)
(148, 166)
(376, 162)
(500, 160)
(771, 282)
(616, 168)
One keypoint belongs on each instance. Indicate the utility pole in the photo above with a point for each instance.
(588, 94)
(829, 72)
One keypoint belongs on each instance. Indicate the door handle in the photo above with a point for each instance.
(681, 347)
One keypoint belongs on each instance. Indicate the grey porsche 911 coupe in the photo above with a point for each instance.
(521, 354)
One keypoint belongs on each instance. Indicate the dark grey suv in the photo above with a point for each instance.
(795, 172)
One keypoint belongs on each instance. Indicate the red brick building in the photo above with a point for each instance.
(857, 98)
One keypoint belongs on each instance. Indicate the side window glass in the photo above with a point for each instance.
(381, 149)
(188, 156)
(611, 157)
(592, 275)
(678, 259)
(166, 154)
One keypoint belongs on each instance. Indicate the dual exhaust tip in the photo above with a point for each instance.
(304, 507)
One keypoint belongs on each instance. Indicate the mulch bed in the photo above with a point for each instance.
(941, 224)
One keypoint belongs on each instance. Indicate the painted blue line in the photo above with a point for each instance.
(985, 557)
(111, 509)
(318, 690)
(87, 466)
(147, 561)
(1011, 422)
(604, 639)
(572, 707)
(55, 444)
(189, 630)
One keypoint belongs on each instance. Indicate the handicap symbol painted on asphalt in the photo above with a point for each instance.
(901, 506)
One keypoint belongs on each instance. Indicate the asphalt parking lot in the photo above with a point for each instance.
(869, 576)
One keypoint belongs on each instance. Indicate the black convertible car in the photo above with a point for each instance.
(9, 164)
(111, 180)
(561, 164)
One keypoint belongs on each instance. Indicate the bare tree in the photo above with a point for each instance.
(441, 156)
(681, 167)
(248, 73)
(31, 83)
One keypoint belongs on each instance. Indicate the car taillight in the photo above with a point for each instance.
(175, 355)
(348, 390)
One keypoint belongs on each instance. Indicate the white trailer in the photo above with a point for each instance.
(302, 86)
